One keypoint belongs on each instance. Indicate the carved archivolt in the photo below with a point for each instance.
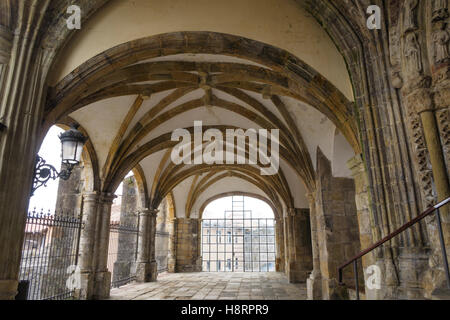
(444, 129)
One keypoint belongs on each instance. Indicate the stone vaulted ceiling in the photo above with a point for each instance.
(131, 97)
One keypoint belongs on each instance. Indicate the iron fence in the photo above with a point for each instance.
(49, 253)
(122, 252)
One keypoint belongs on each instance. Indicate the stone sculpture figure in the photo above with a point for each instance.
(413, 56)
(409, 19)
(441, 39)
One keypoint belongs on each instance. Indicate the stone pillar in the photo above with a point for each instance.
(87, 244)
(11, 225)
(338, 234)
(22, 96)
(172, 258)
(314, 282)
(102, 284)
(280, 261)
(367, 229)
(70, 195)
(188, 244)
(146, 266)
(299, 243)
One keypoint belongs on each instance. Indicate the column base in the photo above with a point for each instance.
(295, 275)
(8, 289)
(314, 287)
(102, 285)
(86, 286)
(146, 271)
(279, 265)
(332, 290)
(171, 265)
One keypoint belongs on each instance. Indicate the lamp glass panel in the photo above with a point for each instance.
(68, 151)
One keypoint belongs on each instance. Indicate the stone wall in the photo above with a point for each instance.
(338, 232)
(300, 259)
(188, 257)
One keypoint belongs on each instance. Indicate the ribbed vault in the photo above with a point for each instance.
(141, 91)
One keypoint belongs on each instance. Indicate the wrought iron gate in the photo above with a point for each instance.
(238, 242)
(50, 254)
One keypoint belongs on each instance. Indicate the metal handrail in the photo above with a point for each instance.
(406, 226)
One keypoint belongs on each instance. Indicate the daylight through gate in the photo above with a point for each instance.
(238, 242)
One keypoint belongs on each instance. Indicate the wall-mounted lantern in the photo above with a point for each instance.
(72, 142)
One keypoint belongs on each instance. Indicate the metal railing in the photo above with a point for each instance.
(406, 226)
(122, 252)
(49, 249)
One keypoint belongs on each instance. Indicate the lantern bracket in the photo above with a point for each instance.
(43, 172)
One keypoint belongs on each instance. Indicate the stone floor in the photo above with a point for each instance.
(213, 286)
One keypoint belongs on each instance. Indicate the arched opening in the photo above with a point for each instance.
(238, 235)
(54, 224)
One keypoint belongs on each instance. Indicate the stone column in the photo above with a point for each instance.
(102, 284)
(11, 225)
(289, 246)
(6, 38)
(172, 258)
(287, 253)
(314, 282)
(280, 261)
(87, 244)
(146, 266)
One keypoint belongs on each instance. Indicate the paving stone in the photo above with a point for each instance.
(213, 286)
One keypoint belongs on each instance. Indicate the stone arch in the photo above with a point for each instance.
(304, 82)
(245, 194)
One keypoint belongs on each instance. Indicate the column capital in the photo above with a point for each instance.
(356, 164)
(420, 100)
(91, 196)
(291, 212)
(311, 197)
(107, 197)
(148, 212)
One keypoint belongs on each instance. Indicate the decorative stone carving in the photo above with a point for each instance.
(422, 160)
(440, 9)
(444, 129)
(413, 56)
(397, 80)
(409, 17)
(441, 39)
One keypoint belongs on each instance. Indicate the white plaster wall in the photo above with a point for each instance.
(281, 23)
(342, 152)
(102, 121)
